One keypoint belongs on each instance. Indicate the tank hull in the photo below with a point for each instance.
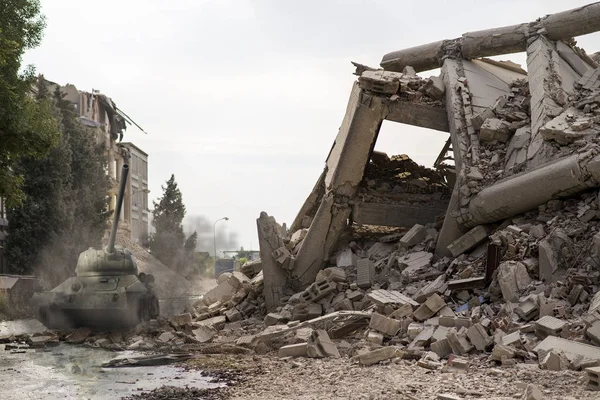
(99, 303)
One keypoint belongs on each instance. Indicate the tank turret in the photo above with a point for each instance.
(107, 293)
(112, 260)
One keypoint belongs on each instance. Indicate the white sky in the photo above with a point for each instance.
(242, 99)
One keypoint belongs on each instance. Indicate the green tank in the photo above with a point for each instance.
(107, 293)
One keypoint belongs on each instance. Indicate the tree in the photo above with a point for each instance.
(27, 126)
(167, 243)
(63, 212)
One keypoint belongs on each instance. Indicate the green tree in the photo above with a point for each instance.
(27, 127)
(64, 208)
(167, 243)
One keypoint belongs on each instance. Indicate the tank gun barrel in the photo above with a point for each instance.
(118, 206)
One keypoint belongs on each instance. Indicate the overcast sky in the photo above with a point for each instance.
(242, 99)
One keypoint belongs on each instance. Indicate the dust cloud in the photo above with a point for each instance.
(226, 240)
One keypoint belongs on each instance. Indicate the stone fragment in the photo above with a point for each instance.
(502, 352)
(494, 129)
(335, 274)
(320, 345)
(549, 325)
(593, 332)
(569, 348)
(204, 334)
(527, 309)
(233, 315)
(512, 278)
(375, 338)
(273, 319)
(166, 337)
(78, 336)
(458, 342)
(532, 392)
(365, 273)
(552, 361)
(387, 326)
(384, 297)
(434, 87)
(467, 241)
(181, 320)
(214, 322)
(346, 258)
(415, 235)
(404, 311)
(441, 348)
(548, 263)
(294, 350)
(428, 309)
(378, 355)
(479, 337)
(537, 231)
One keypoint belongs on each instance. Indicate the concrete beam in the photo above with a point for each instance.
(451, 230)
(562, 178)
(396, 215)
(417, 114)
(492, 42)
(345, 170)
(275, 279)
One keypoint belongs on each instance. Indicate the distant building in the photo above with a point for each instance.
(18, 289)
(136, 194)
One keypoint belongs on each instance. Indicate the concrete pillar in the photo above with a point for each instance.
(561, 178)
(460, 143)
(270, 238)
(345, 170)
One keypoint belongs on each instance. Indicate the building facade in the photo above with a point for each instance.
(135, 209)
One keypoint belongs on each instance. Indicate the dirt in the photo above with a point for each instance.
(268, 378)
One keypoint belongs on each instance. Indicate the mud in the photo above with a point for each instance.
(75, 372)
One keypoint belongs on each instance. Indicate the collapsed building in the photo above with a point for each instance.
(496, 252)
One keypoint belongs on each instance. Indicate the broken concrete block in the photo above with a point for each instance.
(320, 345)
(233, 315)
(166, 337)
(571, 349)
(78, 336)
(593, 332)
(318, 290)
(346, 258)
(502, 352)
(413, 329)
(380, 81)
(532, 392)
(365, 273)
(478, 120)
(511, 339)
(593, 378)
(549, 325)
(387, 326)
(527, 309)
(222, 292)
(378, 355)
(512, 278)
(428, 309)
(294, 350)
(335, 274)
(414, 262)
(434, 88)
(467, 241)
(273, 319)
(181, 320)
(552, 361)
(459, 343)
(383, 297)
(441, 348)
(204, 334)
(415, 235)
(479, 337)
(548, 263)
(494, 129)
(375, 338)
(214, 322)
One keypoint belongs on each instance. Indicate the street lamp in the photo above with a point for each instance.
(215, 235)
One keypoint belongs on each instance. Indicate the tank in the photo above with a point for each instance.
(107, 293)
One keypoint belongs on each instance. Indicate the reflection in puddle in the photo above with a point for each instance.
(75, 372)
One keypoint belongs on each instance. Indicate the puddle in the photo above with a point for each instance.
(74, 372)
